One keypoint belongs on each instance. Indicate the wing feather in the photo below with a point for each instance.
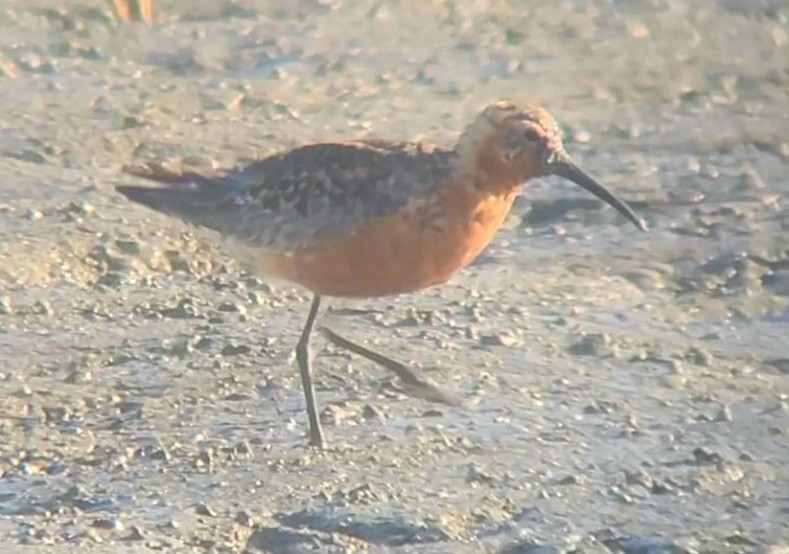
(312, 192)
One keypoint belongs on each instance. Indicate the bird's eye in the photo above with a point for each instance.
(531, 135)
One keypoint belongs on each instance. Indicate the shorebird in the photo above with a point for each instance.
(371, 218)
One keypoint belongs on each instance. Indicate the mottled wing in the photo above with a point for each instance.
(310, 193)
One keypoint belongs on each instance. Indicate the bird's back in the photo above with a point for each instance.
(299, 197)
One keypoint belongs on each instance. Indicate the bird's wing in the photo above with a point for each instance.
(309, 193)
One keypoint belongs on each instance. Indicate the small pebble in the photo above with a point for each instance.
(244, 518)
(571, 480)
(724, 415)
(236, 350)
(34, 214)
(109, 524)
(135, 534)
(204, 510)
(370, 412)
(504, 338)
(43, 307)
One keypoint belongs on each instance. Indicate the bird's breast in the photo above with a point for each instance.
(422, 245)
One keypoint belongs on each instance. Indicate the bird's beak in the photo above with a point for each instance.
(563, 166)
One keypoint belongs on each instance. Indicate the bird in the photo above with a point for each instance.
(371, 218)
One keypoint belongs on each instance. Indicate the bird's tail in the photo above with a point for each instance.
(189, 196)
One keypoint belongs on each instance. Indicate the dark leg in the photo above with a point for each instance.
(414, 384)
(303, 359)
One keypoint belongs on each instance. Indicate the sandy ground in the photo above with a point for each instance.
(624, 392)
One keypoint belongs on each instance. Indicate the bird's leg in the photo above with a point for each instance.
(303, 359)
(414, 384)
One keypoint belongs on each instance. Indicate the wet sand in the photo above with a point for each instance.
(623, 392)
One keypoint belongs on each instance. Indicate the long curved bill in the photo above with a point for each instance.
(565, 167)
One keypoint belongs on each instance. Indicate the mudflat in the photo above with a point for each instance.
(622, 391)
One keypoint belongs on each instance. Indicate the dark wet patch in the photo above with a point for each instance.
(41, 496)
(389, 530)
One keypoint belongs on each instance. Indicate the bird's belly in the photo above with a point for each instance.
(396, 254)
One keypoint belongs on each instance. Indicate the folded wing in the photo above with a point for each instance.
(292, 199)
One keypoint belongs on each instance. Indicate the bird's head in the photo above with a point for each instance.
(510, 143)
